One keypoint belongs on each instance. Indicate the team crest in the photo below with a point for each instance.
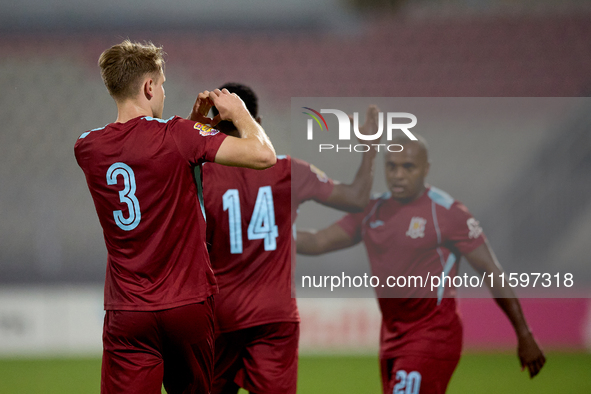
(416, 228)
(205, 130)
(319, 173)
(474, 228)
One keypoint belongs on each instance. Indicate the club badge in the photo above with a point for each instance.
(205, 130)
(416, 228)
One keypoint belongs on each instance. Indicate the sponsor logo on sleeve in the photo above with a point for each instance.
(319, 173)
(376, 224)
(416, 228)
(205, 130)
(474, 228)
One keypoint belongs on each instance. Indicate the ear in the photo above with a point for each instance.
(148, 88)
(427, 167)
(258, 119)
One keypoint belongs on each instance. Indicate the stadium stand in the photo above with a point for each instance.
(55, 93)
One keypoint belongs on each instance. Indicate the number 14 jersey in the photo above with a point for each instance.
(250, 215)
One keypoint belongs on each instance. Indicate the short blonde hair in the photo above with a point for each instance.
(124, 65)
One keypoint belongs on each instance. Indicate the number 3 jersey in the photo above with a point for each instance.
(423, 238)
(250, 215)
(140, 176)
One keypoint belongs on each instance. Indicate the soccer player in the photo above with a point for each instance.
(412, 230)
(159, 285)
(250, 217)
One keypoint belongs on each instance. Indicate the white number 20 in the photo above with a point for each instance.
(262, 223)
(127, 196)
(407, 383)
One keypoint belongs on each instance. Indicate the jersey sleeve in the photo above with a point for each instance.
(308, 182)
(463, 232)
(196, 142)
(351, 224)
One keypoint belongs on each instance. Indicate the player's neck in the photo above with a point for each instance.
(131, 109)
(413, 198)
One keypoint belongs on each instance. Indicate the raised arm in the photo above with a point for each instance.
(355, 196)
(483, 259)
(313, 242)
(253, 149)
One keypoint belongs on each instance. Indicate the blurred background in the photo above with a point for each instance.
(52, 255)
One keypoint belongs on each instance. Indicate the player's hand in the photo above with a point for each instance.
(530, 355)
(230, 106)
(201, 109)
(370, 127)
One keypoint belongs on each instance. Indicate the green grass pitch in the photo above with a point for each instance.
(477, 373)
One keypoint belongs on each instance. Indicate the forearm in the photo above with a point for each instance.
(313, 243)
(360, 189)
(512, 308)
(255, 136)
(355, 196)
(483, 260)
(509, 304)
(306, 243)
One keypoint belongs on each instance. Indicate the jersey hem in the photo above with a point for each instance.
(159, 307)
(392, 355)
(254, 324)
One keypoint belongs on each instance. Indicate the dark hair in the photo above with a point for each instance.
(245, 93)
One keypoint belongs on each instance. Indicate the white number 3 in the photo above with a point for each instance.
(127, 196)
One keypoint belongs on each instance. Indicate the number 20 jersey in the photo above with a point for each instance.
(140, 176)
(250, 215)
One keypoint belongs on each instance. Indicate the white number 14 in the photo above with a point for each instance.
(262, 223)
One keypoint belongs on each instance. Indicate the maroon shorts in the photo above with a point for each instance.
(416, 375)
(143, 350)
(260, 359)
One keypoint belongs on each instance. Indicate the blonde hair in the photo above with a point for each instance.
(124, 65)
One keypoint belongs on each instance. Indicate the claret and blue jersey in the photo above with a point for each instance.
(250, 215)
(425, 237)
(140, 176)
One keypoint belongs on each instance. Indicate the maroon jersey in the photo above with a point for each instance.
(424, 237)
(249, 234)
(140, 176)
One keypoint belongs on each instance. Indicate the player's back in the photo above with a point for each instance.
(249, 232)
(146, 201)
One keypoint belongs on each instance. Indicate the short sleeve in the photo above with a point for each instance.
(308, 182)
(352, 223)
(196, 141)
(462, 231)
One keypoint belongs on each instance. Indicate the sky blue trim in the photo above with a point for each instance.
(376, 223)
(451, 259)
(83, 135)
(435, 222)
(440, 197)
(157, 119)
(381, 196)
(281, 157)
